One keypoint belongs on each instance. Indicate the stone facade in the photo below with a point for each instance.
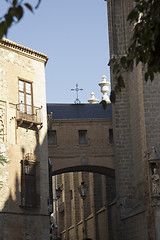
(75, 117)
(136, 130)
(24, 193)
(78, 218)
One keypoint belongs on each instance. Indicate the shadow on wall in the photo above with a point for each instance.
(25, 213)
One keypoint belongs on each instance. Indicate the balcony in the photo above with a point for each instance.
(28, 115)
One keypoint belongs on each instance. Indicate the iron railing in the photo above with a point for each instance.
(28, 113)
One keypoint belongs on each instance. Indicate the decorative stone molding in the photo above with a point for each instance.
(2, 124)
(21, 49)
(155, 179)
(30, 157)
(93, 100)
(104, 85)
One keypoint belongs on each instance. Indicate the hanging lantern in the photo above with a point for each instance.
(83, 190)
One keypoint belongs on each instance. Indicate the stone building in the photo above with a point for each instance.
(24, 192)
(81, 133)
(136, 117)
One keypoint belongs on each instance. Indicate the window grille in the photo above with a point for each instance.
(29, 183)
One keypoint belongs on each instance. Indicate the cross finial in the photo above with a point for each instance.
(77, 101)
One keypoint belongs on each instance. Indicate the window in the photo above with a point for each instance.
(25, 96)
(83, 137)
(71, 194)
(29, 187)
(111, 136)
(52, 137)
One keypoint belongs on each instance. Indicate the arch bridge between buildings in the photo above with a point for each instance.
(80, 138)
(99, 165)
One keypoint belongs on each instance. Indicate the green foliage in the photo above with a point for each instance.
(104, 104)
(3, 160)
(144, 46)
(14, 14)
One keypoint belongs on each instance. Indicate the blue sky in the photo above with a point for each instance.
(74, 35)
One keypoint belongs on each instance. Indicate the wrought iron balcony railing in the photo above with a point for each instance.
(28, 113)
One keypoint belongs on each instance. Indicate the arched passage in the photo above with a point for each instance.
(80, 138)
(86, 168)
(81, 151)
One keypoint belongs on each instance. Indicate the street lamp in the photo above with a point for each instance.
(58, 193)
(83, 193)
(83, 190)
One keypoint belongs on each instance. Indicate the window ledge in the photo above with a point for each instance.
(29, 207)
(30, 123)
(83, 145)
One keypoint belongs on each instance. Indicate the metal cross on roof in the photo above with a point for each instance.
(77, 101)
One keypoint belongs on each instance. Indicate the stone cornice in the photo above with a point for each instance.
(24, 50)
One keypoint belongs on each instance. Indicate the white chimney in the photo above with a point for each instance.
(105, 88)
(93, 100)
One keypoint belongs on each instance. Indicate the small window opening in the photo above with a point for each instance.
(83, 137)
(52, 137)
(71, 194)
(111, 136)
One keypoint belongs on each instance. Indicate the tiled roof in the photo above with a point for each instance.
(79, 111)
